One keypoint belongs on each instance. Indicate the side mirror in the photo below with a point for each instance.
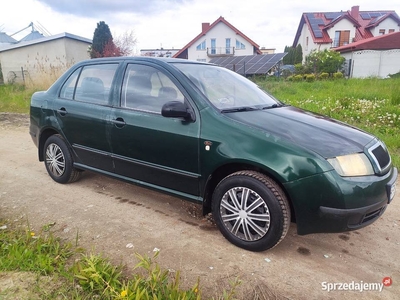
(176, 109)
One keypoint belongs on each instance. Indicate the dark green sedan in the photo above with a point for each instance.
(209, 135)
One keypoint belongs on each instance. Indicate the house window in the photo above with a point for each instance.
(213, 46)
(240, 45)
(201, 46)
(381, 31)
(391, 30)
(228, 46)
(306, 43)
(341, 38)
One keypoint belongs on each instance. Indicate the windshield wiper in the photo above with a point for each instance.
(239, 109)
(273, 106)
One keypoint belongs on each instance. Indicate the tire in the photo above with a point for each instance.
(58, 160)
(260, 222)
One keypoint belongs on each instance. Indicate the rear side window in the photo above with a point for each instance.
(90, 84)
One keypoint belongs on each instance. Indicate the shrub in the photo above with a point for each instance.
(338, 75)
(290, 78)
(323, 76)
(310, 77)
(298, 77)
(396, 75)
(328, 61)
(298, 68)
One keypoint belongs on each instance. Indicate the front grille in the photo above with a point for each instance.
(373, 215)
(380, 156)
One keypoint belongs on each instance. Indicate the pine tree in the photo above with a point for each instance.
(102, 37)
(286, 58)
(298, 58)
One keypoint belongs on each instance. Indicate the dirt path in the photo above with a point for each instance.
(108, 214)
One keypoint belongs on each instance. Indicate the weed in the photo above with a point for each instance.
(88, 277)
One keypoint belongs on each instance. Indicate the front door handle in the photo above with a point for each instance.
(119, 122)
(62, 111)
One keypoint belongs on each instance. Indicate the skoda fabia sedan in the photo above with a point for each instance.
(211, 136)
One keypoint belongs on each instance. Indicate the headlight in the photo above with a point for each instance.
(356, 164)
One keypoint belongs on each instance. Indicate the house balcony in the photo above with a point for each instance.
(220, 51)
(338, 43)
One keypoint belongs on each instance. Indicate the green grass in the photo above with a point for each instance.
(370, 104)
(63, 271)
(15, 98)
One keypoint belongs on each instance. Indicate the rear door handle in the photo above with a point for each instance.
(62, 111)
(119, 122)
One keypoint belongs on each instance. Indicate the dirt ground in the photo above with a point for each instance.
(107, 215)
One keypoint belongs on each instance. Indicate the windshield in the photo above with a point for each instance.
(227, 90)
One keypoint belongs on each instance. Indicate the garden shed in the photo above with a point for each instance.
(43, 58)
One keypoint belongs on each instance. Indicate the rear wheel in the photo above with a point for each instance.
(251, 210)
(58, 160)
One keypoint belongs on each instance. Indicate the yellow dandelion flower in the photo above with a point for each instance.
(32, 234)
(124, 293)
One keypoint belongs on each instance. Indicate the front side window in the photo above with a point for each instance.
(90, 84)
(226, 89)
(148, 89)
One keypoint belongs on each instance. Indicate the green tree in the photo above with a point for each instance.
(328, 61)
(294, 55)
(102, 37)
(298, 57)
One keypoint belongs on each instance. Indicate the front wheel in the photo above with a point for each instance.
(251, 210)
(58, 160)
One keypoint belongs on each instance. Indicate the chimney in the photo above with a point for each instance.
(204, 26)
(355, 11)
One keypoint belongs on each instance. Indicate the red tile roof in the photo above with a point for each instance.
(207, 27)
(382, 42)
(362, 20)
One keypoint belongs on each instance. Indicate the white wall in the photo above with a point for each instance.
(42, 61)
(220, 32)
(371, 63)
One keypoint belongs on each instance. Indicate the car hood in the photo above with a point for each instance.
(318, 133)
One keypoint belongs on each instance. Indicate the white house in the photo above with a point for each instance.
(325, 30)
(374, 57)
(218, 40)
(38, 59)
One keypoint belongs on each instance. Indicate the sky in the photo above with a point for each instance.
(173, 23)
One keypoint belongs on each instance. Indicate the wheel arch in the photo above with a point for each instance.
(227, 169)
(45, 134)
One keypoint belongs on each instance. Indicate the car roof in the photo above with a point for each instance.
(146, 58)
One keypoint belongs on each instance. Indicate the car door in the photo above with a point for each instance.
(149, 148)
(83, 112)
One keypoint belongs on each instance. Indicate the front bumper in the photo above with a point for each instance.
(330, 203)
(339, 220)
